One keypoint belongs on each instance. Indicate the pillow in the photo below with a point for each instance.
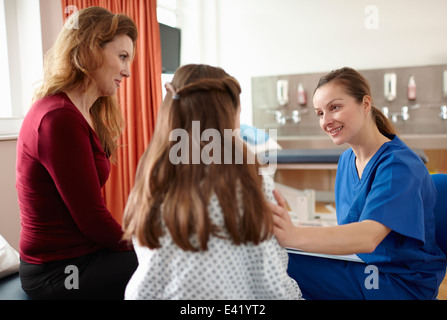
(258, 140)
(9, 259)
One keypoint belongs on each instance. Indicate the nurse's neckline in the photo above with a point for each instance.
(360, 165)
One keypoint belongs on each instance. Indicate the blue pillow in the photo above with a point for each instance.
(253, 135)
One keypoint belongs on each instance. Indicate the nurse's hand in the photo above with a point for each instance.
(283, 228)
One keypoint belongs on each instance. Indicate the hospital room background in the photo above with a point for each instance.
(277, 49)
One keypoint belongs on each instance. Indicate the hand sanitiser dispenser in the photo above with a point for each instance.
(282, 92)
(444, 83)
(390, 81)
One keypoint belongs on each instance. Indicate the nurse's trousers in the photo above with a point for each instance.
(332, 279)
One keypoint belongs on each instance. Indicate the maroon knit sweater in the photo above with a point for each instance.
(61, 168)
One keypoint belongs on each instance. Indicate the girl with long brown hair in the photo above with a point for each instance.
(384, 198)
(202, 229)
(63, 159)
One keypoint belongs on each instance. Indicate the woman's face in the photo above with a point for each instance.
(117, 57)
(341, 116)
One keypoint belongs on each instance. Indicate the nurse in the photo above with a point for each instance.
(384, 198)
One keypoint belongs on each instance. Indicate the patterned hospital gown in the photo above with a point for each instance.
(225, 271)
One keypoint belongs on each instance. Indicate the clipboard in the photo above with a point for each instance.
(350, 257)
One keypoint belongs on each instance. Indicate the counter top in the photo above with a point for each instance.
(316, 156)
(421, 141)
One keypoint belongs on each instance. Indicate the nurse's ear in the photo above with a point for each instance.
(367, 104)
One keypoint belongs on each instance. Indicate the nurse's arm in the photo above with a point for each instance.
(358, 237)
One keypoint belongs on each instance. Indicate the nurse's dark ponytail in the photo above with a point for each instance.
(358, 87)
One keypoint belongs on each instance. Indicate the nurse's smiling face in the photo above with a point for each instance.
(341, 116)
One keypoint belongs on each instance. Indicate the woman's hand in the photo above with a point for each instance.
(283, 228)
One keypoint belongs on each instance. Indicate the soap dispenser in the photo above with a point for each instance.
(302, 97)
(390, 80)
(411, 88)
(444, 83)
(282, 92)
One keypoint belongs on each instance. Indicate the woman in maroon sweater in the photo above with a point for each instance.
(70, 246)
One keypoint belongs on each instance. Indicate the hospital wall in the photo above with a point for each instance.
(47, 21)
(9, 209)
(253, 38)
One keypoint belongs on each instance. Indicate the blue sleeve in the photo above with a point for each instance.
(344, 188)
(396, 197)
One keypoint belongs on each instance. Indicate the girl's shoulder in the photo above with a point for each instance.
(268, 185)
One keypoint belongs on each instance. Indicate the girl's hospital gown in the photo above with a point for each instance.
(396, 190)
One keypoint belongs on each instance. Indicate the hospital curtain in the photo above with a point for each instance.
(139, 97)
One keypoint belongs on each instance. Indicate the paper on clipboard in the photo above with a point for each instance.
(351, 257)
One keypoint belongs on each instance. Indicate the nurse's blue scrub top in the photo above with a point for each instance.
(396, 190)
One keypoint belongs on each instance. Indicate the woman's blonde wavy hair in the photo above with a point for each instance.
(76, 55)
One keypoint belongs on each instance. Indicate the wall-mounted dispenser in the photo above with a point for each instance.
(390, 81)
(411, 88)
(444, 84)
(282, 92)
(443, 114)
(301, 94)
